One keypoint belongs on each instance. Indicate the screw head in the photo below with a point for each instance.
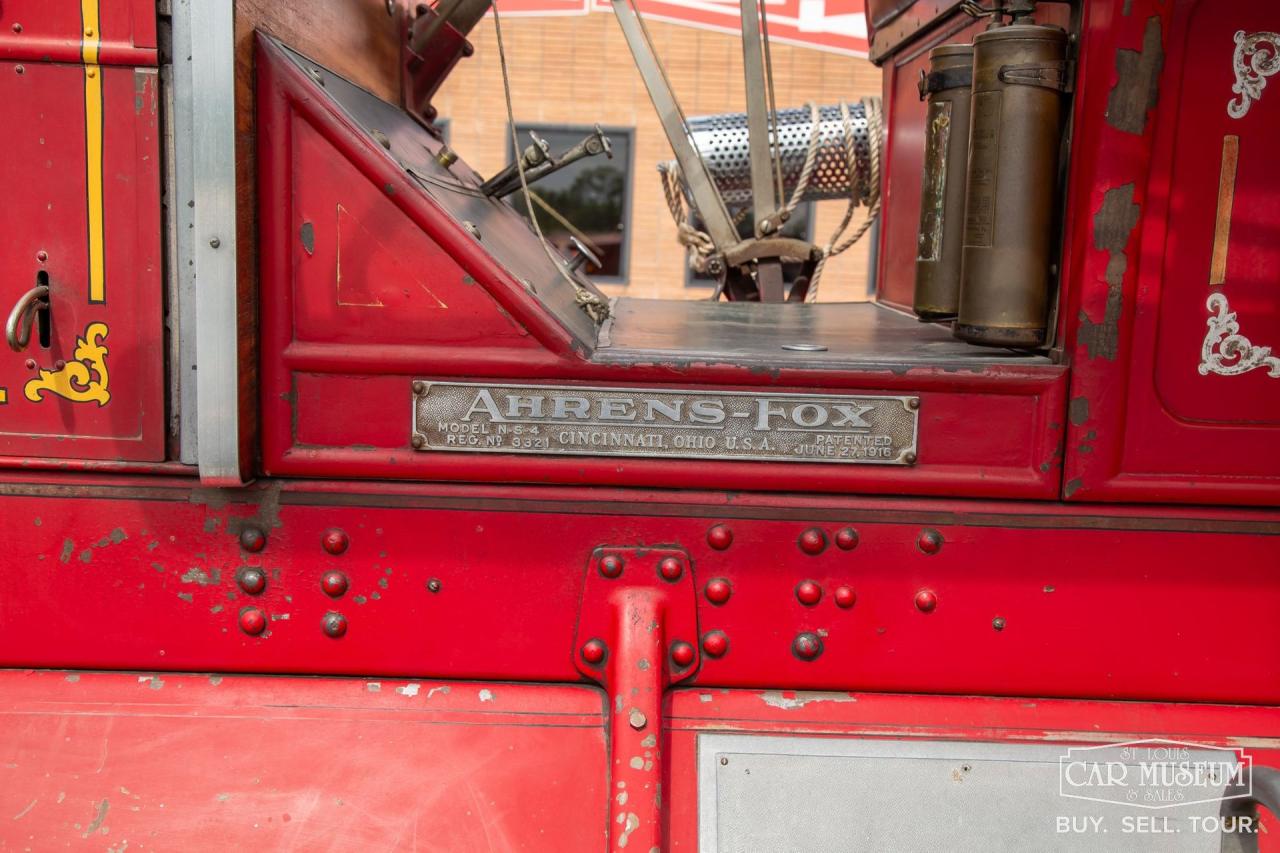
(419, 387)
(845, 597)
(813, 541)
(251, 580)
(611, 565)
(418, 441)
(909, 458)
(913, 402)
(930, 541)
(334, 584)
(334, 625)
(215, 243)
(682, 654)
(926, 601)
(718, 591)
(807, 646)
(335, 540)
(808, 593)
(253, 621)
(998, 623)
(637, 719)
(252, 539)
(670, 569)
(715, 643)
(846, 539)
(720, 537)
(433, 585)
(593, 652)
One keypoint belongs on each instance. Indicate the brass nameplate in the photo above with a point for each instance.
(719, 425)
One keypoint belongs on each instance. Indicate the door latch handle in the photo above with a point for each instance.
(17, 330)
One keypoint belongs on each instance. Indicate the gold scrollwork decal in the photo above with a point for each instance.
(1227, 352)
(81, 381)
(1256, 58)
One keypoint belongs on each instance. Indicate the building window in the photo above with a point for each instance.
(799, 226)
(589, 199)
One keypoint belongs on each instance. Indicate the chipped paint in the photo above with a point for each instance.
(408, 690)
(442, 689)
(1072, 487)
(630, 824)
(486, 695)
(1137, 83)
(98, 818)
(789, 701)
(1078, 410)
(373, 686)
(72, 677)
(1112, 226)
(86, 555)
(197, 575)
(187, 597)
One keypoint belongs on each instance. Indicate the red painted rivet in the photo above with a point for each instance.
(926, 600)
(253, 621)
(670, 569)
(807, 646)
(720, 537)
(846, 539)
(715, 643)
(930, 541)
(334, 625)
(611, 565)
(31, 364)
(718, 590)
(252, 539)
(17, 28)
(681, 653)
(335, 540)
(42, 256)
(251, 580)
(845, 597)
(334, 584)
(593, 651)
(808, 593)
(813, 541)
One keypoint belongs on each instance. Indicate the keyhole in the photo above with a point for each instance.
(44, 317)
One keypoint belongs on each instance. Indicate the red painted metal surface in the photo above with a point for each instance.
(475, 584)
(41, 31)
(1146, 424)
(96, 391)
(469, 319)
(158, 761)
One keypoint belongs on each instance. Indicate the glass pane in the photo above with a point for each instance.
(587, 199)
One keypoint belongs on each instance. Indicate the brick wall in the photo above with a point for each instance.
(578, 70)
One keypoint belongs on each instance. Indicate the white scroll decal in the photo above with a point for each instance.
(1228, 353)
(1257, 57)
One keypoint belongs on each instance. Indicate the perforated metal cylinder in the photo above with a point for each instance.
(722, 142)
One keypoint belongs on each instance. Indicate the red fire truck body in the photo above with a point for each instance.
(255, 603)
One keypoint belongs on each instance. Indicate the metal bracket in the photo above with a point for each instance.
(940, 81)
(637, 634)
(1047, 75)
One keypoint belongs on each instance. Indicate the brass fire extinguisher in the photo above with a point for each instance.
(948, 87)
(1019, 77)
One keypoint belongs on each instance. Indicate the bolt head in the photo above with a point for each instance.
(813, 541)
(419, 387)
(718, 590)
(846, 539)
(926, 601)
(593, 652)
(42, 256)
(17, 28)
(433, 585)
(998, 623)
(807, 646)
(251, 580)
(715, 643)
(418, 441)
(845, 597)
(334, 584)
(334, 625)
(670, 569)
(720, 537)
(252, 539)
(215, 243)
(909, 458)
(930, 541)
(611, 565)
(30, 363)
(682, 654)
(913, 402)
(253, 621)
(335, 540)
(808, 593)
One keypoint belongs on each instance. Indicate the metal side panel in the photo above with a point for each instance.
(115, 761)
(822, 795)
